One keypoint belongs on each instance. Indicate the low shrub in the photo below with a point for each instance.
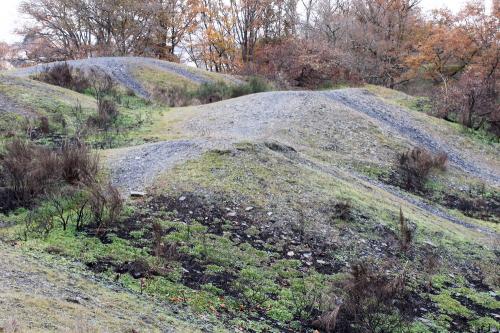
(77, 164)
(107, 114)
(253, 86)
(217, 91)
(64, 75)
(372, 302)
(405, 232)
(30, 171)
(207, 92)
(44, 125)
(172, 96)
(416, 165)
(213, 92)
(106, 205)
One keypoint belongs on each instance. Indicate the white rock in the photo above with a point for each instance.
(290, 253)
(249, 208)
(182, 198)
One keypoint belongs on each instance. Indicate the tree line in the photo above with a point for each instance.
(304, 43)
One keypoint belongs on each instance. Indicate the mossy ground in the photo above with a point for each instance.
(254, 240)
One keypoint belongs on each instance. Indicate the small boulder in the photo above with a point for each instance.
(137, 194)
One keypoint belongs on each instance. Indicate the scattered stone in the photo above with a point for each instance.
(290, 253)
(231, 214)
(137, 194)
(73, 300)
(182, 198)
(321, 262)
(269, 213)
(248, 208)
(307, 255)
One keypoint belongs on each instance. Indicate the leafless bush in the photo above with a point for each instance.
(405, 232)
(328, 320)
(172, 96)
(370, 301)
(78, 164)
(101, 84)
(107, 114)
(106, 205)
(471, 100)
(164, 251)
(416, 165)
(30, 171)
(64, 75)
(343, 210)
(44, 125)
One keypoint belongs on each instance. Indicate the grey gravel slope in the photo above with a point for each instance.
(283, 117)
(121, 70)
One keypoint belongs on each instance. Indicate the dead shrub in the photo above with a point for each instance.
(107, 114)
(164, 251)
(343, 210)
(30, 171)
(328, 320)
(416, 165)
(373, 302)
(405, 232)
(44, 125)
(11, 325)
(172, 96)
(106, 205)
(78, 164)
(64, 75)
(101, 84)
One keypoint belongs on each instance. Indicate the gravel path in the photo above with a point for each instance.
(135, 170)
(121, 70)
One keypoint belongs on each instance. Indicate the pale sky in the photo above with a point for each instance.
(10, 19)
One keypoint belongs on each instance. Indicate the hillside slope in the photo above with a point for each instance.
(260, 211)
(40, 293)
(285, 160)
(138, 74)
